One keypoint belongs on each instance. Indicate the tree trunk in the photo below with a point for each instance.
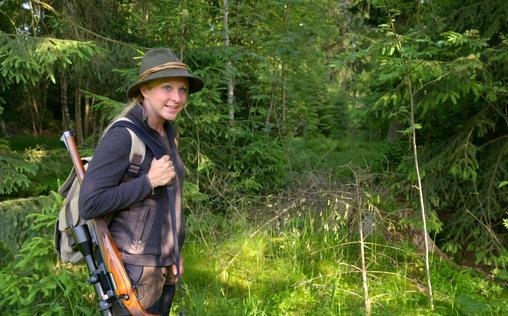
(283, 92)
(36, 116)
(3, 129)
(66, 116)
(393, 134)
(283, 67)
(77, 113)
(268, 125)
(229, 65)
(87, 116)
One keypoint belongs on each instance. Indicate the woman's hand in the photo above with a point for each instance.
(161, 171)
(173, 268)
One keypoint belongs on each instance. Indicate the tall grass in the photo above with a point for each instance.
(307, 262)
(302, 259)
(296, 253)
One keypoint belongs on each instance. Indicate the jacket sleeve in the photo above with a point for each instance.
(104, 190)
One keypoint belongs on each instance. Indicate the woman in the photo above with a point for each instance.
(140, 207)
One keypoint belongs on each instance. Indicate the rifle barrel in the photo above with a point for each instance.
(70, 143)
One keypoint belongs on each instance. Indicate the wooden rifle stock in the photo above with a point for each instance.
(111, 256)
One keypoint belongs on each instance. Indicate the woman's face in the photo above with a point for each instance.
(165, 98)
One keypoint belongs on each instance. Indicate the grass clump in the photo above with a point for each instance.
(301, 259)
(307, 263)
(296, 252)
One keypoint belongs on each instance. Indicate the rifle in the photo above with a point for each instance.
(107, 274)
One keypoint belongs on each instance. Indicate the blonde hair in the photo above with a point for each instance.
(139, 97)
(132, 103)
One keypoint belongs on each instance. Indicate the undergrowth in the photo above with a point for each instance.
(295, 253)
(308, 264)
(301, 258)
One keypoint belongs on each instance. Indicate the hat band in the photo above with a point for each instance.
(170, 65)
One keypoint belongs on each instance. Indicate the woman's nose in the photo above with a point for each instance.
(175, 96)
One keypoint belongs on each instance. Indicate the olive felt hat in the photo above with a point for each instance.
(160, 63)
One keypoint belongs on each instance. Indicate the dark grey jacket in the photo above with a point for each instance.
(141, 216)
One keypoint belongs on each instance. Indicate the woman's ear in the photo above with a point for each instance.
(144, 90)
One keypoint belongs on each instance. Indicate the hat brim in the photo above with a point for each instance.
(195, 83)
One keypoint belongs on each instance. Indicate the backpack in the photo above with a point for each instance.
(68, 216)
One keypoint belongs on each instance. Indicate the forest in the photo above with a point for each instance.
(345, 157)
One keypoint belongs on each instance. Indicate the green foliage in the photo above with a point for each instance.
(26, 61)
(6, 254)
(15, 169)
(487, 16)
(23, 142)
(14, 229)
(33, 284)
(260, 166)
(296, 253)
(54, 166)
(459, 93)
(31, 171)
(467, 291)
(300, 70)
(304, 259)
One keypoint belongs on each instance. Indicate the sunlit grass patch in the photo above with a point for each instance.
(309, 265)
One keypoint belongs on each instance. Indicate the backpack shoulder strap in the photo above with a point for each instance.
(137, 154)
(138, 147)
(155, 147)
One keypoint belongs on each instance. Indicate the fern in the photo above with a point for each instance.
(15, 169)
(34, 283)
